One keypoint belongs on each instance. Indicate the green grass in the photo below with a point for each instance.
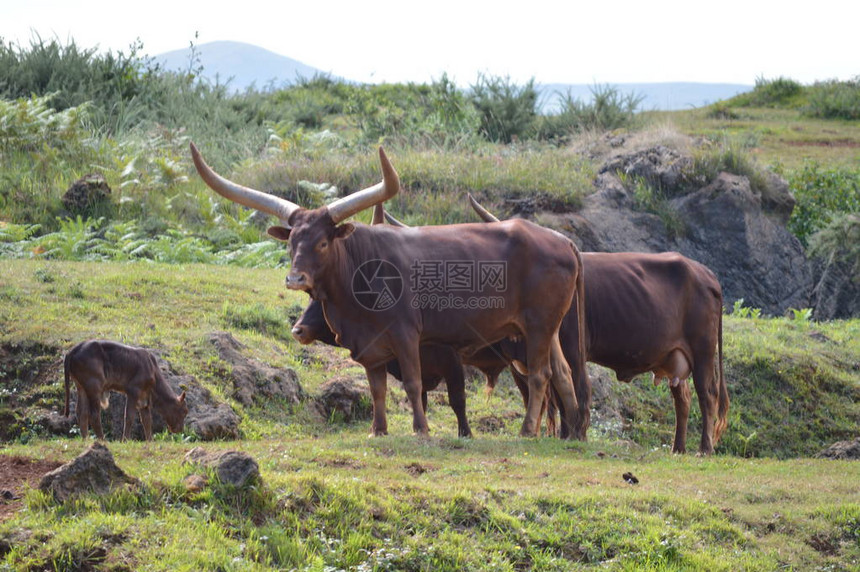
(333, 499)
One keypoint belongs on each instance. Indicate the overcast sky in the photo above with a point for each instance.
(727, 41)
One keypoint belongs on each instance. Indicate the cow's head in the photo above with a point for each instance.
(312, 234)
(174, 415)
(312, 326)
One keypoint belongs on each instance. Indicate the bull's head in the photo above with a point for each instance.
(311, 233)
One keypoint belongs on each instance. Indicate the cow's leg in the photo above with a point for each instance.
(424, 401)
(83, 409)
(708, 394)
(96, 417)
(146, 421)
(130, 410)
(456, 384)
(682, 398)
(378, 379)
(410, 366)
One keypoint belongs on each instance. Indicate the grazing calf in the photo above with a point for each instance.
(100, 366)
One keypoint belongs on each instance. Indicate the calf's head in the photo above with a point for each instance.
(312, 234)
(174, 414)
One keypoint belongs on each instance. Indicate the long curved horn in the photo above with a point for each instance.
(486, 215)
(344, 208)
(281, 208)
(393, 221)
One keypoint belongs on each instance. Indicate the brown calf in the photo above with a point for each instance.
(100, 366)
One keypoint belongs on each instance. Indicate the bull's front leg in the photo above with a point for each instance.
(377, 378)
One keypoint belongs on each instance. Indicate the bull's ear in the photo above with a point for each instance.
(344, 230)
(281, 233)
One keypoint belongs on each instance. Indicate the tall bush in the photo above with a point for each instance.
(507, 111)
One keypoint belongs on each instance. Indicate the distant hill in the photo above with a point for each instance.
(243, 64)
(246, 65)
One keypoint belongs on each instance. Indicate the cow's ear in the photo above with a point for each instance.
(182, 398)
(344, 230)
(281, 233)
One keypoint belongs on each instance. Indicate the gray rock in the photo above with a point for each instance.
(842, 450)
(231, 467)
(86, 193)
(726, 227)
(663, 167)
(254, 381)
(752, 253)
(93, 471)
(345, 397)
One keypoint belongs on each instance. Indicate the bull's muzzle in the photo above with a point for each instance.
(298, 280)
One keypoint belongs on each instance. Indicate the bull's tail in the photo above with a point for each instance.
(582, 385)
(722, 421)
(66, 379)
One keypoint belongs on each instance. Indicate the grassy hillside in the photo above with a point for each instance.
(333, 499)
(160, 264)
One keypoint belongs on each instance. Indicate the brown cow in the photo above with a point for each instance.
(659, 313)
(526, 261)
(100, 366)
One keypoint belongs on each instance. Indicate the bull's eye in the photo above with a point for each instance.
(322, 245)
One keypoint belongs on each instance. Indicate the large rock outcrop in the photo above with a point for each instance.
(738, 232)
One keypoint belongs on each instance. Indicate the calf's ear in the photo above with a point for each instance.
(281, 233)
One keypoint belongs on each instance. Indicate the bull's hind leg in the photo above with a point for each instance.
(541, 346)
(574, 422)
(682, 398)
(409, 359)
(456, 384)
(377, 377)
(707, 392)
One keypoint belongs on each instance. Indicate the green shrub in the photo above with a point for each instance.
(507, 111)
(608, 109)
(834, 99)
(771, 93)
(821, 195)
(839, 241)
(730, 156)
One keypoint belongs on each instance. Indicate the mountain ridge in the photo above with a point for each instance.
(243, 66)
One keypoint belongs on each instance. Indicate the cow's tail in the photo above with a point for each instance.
(723, 392)
(66, 379)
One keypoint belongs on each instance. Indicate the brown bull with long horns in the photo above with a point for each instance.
(383, 298)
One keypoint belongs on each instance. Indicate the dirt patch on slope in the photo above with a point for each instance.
(15, 473)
